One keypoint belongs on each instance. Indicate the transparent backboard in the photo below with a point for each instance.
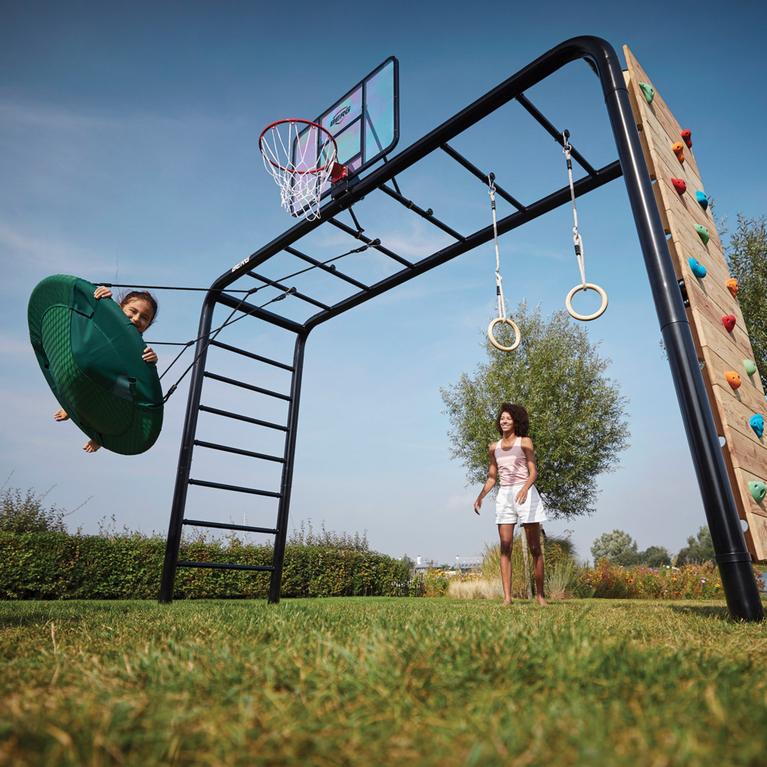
(364, 123)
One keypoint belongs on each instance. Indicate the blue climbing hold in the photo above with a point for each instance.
(697, 268)
(702, 199)
(756, 422)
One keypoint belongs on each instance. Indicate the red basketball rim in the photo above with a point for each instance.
(311, 124)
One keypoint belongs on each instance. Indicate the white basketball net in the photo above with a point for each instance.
(290, 152)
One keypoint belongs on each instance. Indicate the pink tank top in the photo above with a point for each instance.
(512, 464)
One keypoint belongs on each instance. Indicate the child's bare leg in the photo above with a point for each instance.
(506, 534)
(91, 446)
(60, 415)
(533, 532)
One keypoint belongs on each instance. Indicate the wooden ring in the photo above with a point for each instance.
(512, 325)
(586, 317)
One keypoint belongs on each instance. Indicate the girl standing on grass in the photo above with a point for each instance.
(512, 460)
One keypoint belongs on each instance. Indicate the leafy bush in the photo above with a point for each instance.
(56, 565)
(688, 582)
(26, 513)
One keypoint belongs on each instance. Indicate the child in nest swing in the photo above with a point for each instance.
(140, 308)
(512, 460)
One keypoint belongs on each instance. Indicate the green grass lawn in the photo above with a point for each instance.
(371, 681)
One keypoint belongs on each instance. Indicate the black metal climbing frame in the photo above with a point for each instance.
(732, 555)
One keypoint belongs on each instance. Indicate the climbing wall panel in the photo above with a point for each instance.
(695, 243)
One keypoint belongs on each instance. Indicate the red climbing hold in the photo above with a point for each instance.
(686, 135)
(679, 185)
(728, 320)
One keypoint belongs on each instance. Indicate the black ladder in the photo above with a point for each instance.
(189, 442)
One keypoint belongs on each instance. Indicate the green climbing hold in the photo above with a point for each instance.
(750, 366)
(702, 233)
(649, 92)
(758, 490)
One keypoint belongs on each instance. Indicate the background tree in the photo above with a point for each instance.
(747, 257)
(616, 547)
(699, 549)
(577, 417)
(655, 556)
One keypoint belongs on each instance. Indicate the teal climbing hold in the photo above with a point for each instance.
(750, 366)
(702, 199)
(702, 233)
(649, 92)
(756, 422)
(757, 489)
(697, 268)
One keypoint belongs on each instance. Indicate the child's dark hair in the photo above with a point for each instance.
(144, 296)
(520, 416)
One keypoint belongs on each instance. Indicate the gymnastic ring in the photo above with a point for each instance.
(586, 317)
(512, 325)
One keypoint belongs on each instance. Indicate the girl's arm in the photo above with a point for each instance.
(532, 469)
(149, 355)
(492, 475)
(102, 292)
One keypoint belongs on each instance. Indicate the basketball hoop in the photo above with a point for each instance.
(301, 157)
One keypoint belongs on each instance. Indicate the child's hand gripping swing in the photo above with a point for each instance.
(578, 244)
(501, 319)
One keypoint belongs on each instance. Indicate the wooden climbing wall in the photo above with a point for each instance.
(720, 351)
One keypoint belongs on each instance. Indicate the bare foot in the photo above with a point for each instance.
(61, 415)
(507, 602)
(91, 446)
(541, 601)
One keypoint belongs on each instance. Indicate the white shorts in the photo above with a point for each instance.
(509, 512)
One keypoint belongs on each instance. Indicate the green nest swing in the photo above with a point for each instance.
(90, 354)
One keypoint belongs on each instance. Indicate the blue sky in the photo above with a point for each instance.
(128, 150)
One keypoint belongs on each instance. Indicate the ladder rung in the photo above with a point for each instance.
(252, 356)
(228, 526)
(235, 488)
(239, 451)
(243, 385)
(238, 417)
(224, 566)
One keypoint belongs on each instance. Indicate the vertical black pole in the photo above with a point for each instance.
(185, 454)
(287, 470)
(729, 542)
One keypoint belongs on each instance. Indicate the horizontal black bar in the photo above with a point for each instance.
(475, 171)
(252, 356)
(280, 286)
(263, 314)
(234, 488)
(583, 47)
(359, 236)
(331, 269)
(238, 451)
(224, 566)
(249, 387)
(229, 526)
(427, 214)
(557, 134)
(539, 208)
(238, 417)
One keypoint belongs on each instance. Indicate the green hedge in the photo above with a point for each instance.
(62, 566)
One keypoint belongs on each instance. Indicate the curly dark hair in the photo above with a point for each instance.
(520, 416)
(145, 296)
